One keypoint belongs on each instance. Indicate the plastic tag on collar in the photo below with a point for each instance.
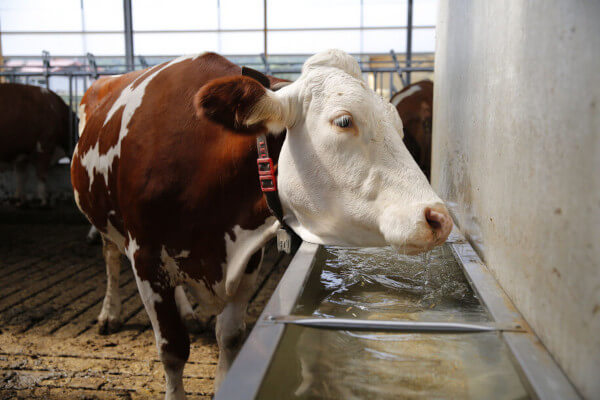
(265, 166)
(284, 241)
(268, 183)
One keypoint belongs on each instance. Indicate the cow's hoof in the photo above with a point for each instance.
(108, 326)
(195, 324)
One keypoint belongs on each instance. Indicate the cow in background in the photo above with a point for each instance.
(415, 106)
(34, 129)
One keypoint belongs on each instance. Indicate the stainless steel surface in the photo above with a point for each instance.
(128, 25)
(538, 371)
(375, 285)
(542, 375)
(396, 326)
(409, 28)
(340, 364)
(484, 284)
(247, 371)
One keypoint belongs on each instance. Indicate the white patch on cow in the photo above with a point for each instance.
(176, 277)
(183, 254)
(240, 249)
(130, 98)
(335, 59)
(229, 331)
(401, 96)
(82, 118)
(149, 296)
(116, 237)
(76, 196)
(38, 147)
(231, 324)
(183, 304)
(174, 377)
(211, 301)
(111, 306)
(130, 250)
(171, 266)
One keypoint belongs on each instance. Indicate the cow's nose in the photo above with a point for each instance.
(439, 221)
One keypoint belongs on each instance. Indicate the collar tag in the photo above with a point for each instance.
(284, 240)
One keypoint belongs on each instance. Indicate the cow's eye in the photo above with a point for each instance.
(345, 121)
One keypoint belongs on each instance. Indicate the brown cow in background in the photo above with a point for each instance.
(34, 129)
(415, 106)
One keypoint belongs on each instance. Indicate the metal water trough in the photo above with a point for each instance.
(539, 375)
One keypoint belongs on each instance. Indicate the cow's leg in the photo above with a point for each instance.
(109, 319)
(183, 304)
(192, 321)
(42, 166)
(231, 324)
(41, 188)
(171, 336)
(209, 307)
(20, 179)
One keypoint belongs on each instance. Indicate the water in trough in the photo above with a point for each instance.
(381, 284)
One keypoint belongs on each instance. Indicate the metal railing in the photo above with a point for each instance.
(382, 72)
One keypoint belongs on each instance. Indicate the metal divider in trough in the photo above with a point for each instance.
(370, 323)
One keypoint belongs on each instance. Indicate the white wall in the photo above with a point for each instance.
(516, 153)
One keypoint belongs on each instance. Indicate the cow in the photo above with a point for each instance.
(34, 129)
(166, 170)
(415, 106)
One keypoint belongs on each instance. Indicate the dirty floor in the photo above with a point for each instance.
(51, 289)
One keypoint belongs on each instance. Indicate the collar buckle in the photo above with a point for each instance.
(266, 172)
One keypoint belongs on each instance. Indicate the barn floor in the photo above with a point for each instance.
(51, 289)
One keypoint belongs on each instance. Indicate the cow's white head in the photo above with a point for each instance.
(344, 174)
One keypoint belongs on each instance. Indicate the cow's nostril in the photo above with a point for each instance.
(435, 219)
(440, 223)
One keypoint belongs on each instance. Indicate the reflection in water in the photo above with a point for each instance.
(380, 284)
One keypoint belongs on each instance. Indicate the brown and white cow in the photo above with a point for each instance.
(166, 170)
(415, 106)
(34, 129)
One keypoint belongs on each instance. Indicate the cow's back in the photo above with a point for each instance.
(32, 118)
(147, 166)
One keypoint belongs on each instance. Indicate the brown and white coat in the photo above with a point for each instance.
(165, 169)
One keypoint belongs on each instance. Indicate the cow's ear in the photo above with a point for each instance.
(241, 104)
